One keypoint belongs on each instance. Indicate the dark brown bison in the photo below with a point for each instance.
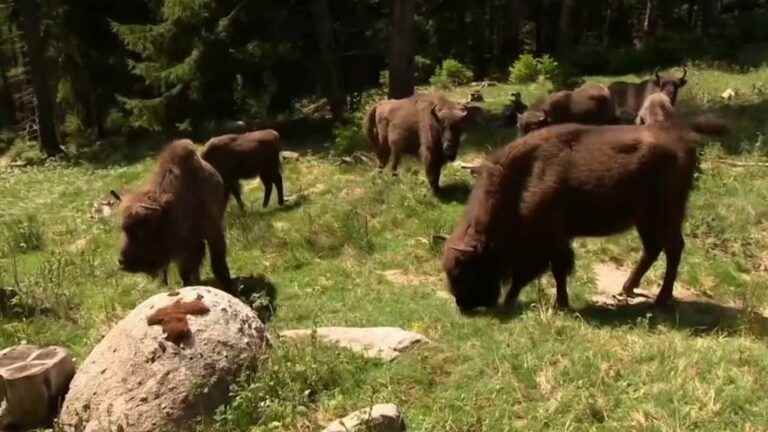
(172, 218)
(629, 97)
(538, 193)
(251, 154)
(588, 104)
(426, 125)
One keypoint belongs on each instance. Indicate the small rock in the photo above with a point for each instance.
(33, 382)
(385, 343)
(728, 94)
(289, 155)
(378, 418)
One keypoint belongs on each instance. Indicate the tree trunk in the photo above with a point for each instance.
(566, 34)
(7, 94)
(401, 61)
(29, 11)
(510, 33)
(650, 22)
(330, 74)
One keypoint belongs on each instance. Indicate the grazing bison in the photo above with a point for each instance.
(172, 218)
(244, 156)
(428, 125)
(629, 97)
(538, 193)
(588, 104)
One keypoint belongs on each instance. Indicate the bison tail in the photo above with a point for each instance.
(370, 128)
(709, 125)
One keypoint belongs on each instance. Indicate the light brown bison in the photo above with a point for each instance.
(628, 97)
(658, 110)
(251, 154)
(538, 193)
(426, 125)
(588, 104)
(172, 218)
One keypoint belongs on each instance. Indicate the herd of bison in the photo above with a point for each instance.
(593, 161)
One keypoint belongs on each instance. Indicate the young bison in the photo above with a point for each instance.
(588, 104)
(658, 110)
(179, 210)
(245, 156)
(538, 193)
(427, 125)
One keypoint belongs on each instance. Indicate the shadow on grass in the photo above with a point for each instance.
(258, 292)
(456, 192)
(698, 316)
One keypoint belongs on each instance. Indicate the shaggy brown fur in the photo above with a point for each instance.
(427, 125)
(245, 156)
(629, 97)
(173, 319)
(588, 104)
(172, 218)
(538, 193)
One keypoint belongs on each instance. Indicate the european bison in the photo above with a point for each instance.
(629, 97)
(588, 104)
(538, 193)
(427, 125)
(658, 110)
(245, 156)
(179, 210)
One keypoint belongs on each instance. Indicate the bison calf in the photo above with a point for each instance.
(251, 154)
(172, 218)
(538, 193)
(427, 125)
(588, 104)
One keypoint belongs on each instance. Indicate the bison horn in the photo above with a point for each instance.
(462, 248)
(685, 72)
(150, 206)
(116, 196)
(656, 74)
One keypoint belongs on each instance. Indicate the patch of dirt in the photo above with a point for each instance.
(400, 277)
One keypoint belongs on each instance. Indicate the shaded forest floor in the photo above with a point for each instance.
(356, 247)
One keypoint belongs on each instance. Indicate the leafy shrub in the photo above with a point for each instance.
(21, 236)
(424, 69)
(450, 74)
(524, 70)
(348, 138)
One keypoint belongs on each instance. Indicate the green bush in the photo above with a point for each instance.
(348, 138)
(20, 236)
(450, 74)
(524, 70)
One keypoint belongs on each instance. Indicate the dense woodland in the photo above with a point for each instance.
(102, 67)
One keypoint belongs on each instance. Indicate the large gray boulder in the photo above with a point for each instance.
(150, 378)
(33, 382)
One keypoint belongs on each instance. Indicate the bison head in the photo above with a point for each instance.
(451, 120)
(670, 86)
(529, 121)
(143, 227)
(471, 259)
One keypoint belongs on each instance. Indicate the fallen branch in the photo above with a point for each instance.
(740, 164)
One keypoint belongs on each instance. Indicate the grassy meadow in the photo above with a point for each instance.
(355, 247)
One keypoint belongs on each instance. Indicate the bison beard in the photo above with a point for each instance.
(251, 154)
(427, 125)
(174, 216)
(538, 193)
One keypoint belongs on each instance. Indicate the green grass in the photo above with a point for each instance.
(356, 247)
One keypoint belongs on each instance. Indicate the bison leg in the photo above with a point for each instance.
(382, 153)
(673, 249)
(278, 180)
(189, 266)
(433, 168)
(236, 190)
(217, 245)
(267, 182)
(651, 251)
(396, 157)
(562, 265)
